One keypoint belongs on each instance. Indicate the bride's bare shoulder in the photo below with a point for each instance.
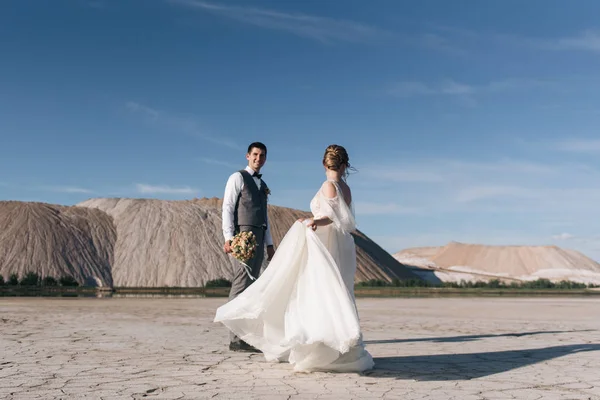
(328, 189)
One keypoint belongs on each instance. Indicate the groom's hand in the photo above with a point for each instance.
(227, 247)
(270, 252)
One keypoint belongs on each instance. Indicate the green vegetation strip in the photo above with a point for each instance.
(32, 285)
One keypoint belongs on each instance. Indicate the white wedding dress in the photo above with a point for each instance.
(302, 309)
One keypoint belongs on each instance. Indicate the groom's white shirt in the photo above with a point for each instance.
(234, 186)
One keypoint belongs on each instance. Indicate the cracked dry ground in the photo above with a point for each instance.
(429, 348)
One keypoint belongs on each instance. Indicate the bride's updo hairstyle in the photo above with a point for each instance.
(336, 157)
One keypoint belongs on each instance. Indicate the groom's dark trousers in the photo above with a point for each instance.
(240, 279)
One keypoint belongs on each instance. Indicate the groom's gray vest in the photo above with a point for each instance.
(251, 205)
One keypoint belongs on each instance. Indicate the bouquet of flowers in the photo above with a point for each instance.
(243, 248)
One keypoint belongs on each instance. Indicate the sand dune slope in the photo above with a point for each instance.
(514, 262)
(54, 240)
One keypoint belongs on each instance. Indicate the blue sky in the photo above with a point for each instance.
(473, 121)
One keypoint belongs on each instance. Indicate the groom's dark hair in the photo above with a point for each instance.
(258, 145)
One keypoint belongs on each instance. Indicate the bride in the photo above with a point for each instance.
(302, 309)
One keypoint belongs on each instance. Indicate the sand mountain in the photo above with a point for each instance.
(143, 242)
(457, 261)
(55, 240)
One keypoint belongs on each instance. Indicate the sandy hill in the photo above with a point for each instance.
(459, 260)
(143, 242)
(56, 241)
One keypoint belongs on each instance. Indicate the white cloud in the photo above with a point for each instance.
(475, 193)
(221, 163)
(67, 189)
(497, 202)
(588, 40)
(164, 189)
(322, 29)
(514, 186)
(187, 126)
(142, 109)
(395, 243)
(456, 88)
(459, 38)
(402, 174)
(589, 246)
(451, 87)
(491, 237)
(437, 170)
(579, 145)
(514, 84)
(412, 88)
(563, 236)
(437, 42)
(369, 208)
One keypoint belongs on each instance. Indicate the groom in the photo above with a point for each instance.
(245, 209)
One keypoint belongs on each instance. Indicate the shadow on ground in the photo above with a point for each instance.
(467, 338)
(468, 366)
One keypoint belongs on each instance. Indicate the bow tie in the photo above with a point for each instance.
(257, 175)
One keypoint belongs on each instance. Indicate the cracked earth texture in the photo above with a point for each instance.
(424, 348)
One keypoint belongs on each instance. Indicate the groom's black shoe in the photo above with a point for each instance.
(243, 346)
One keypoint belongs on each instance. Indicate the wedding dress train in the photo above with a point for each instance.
(302, 309)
